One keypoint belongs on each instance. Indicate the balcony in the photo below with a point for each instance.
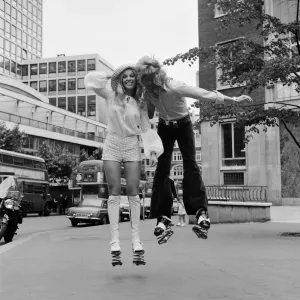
(5, 116)
(236, 193)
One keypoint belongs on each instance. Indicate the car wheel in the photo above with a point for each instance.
(104, 221)
(74, 223)
(3, 227)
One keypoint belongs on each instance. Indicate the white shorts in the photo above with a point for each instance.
(121, 149)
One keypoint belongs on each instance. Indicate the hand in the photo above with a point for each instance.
(243, 98)
(153, 159)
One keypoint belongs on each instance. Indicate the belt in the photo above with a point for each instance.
(185, 119)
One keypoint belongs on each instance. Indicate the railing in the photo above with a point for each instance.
(236, 193)
(4, 116)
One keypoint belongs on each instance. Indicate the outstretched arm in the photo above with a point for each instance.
(204, 95)
(96, 81)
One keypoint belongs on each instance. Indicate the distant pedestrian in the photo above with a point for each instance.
(181, 213)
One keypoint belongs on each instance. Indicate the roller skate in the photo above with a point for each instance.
(163, 230)
(138, 253)
(116, 254)
(202, 224)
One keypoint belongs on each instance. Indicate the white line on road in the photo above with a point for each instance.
(16, 243)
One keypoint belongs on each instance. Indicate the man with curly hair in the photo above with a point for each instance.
(167, 96)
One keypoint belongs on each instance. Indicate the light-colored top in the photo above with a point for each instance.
(171, 103)
(125, 117)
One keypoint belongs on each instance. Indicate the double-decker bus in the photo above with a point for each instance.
(32, 172)
(92, 200)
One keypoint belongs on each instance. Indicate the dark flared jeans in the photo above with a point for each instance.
(194, 195)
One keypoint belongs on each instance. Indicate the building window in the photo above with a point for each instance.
(13, 67)
(52, 101)
(24, 54)
(91, 105)
(1, 45)
(24, 21)
(71, 66)
(91, 64)
(81, 106)
(198, 155)
(33, 84)
(236, 178)
(7, 29)
(80, 84)
(72, 104)
(2, 24)
(219, 71)
(62, 67)
(7, 10)
(2, 9)
(43, 86)
(19, 70)
(29, 142)
(178, 171)
(7, 65)
(52, 67)
(1, 64)
(81, 65)
(62, 85)
(52, 85)
(177, 156)
(62, 102)
(33, 70)
(25, 70)
(14, 15)
(7, 48)
(72, 84)
(233, 145)
(43, 68)
(13, 33)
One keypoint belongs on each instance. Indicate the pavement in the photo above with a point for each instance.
(49, 259)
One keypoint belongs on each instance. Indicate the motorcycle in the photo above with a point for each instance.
(10, 209)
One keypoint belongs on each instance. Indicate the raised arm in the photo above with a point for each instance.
(204, 95)
(96, 81)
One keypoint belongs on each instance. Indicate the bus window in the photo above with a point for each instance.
(28, 163)
(28, 188)
(18, 161)
(43, 166)
(7, 159)
(100, 190)
(38, 189)
(0, 157)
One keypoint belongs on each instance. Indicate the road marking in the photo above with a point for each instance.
(15, 243)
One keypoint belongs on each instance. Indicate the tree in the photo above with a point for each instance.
(11, 139)
(59, 163)
(251, 64)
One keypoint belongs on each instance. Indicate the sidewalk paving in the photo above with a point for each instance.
(238, 261)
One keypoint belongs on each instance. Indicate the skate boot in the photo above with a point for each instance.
(138, 253)
(202, 224)
(115, 250)
(163, 230)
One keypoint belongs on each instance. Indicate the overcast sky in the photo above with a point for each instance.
(122, 31)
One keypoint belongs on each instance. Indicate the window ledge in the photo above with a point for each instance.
(233, 168)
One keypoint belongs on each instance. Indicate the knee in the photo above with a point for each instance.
(114, 190)
(132, 191)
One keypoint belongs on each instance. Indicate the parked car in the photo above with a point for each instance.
(124, 209)
(145, 207)
(89, 210)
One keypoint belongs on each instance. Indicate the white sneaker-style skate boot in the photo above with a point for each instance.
(163, 230)
(113, 214)
(137, 246)
(202, 224)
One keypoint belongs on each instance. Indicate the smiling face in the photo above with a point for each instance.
(129, 80)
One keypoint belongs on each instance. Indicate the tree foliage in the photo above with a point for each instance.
(11, 139)
(59, 163)
(270, 56)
